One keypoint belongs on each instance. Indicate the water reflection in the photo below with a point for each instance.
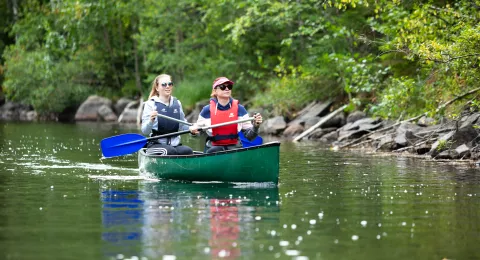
(159, 219)
(224, 228)
(122, 218)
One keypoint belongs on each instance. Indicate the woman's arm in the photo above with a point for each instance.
(249, 129)
(147, 124)
(182, 127)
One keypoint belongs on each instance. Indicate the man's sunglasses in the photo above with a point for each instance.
(224, 86)
(165, 84)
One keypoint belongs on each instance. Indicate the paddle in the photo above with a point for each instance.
(129, 143)
(174, 119)
(245, 142)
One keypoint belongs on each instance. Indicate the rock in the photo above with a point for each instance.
(437, 146)
(88, 110)
(31, 116)
(386, 143)
(329, 137)
(293, 130)
(130, 112)
(273, 125)
(463, 151)
(355, 115)
(106, 114)
(318, 133)
(425, 121)
(356, 125)
(369, 127)
(14, 111)
(336, 121)
(454, 138)
(469, 120)
(318, 109)
(353, 134)
(309, 122)
(406, 134)
(121, 104)
(475, 153)
(447, 154)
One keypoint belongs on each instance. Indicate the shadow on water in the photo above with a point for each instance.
(184, 219)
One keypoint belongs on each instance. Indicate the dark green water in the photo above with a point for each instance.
(58, 200)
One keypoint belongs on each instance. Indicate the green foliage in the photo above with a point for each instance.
(189, 91)
(443, 145)
(390, 58)
(50, 85)
(442, 40)
(402, 96)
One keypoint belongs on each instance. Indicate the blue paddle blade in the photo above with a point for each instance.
(247, 143)
(122, 144)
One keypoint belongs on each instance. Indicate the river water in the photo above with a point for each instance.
(59, 200)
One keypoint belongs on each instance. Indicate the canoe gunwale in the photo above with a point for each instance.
(270, 144)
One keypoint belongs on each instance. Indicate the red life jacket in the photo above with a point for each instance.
(224, 135)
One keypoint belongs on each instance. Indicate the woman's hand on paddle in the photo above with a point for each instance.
(153, 116)
(257, 119)
(194, 129)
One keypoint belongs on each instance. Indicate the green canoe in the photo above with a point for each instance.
(252, 164)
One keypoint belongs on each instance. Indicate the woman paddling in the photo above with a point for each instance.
(223, 108)
(162, 102)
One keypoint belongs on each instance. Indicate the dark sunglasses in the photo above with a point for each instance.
(223, 87)
(165, 84)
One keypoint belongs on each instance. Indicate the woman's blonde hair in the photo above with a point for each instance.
(155, 83)
(214, 94)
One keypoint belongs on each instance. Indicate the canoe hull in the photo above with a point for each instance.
(253, 164)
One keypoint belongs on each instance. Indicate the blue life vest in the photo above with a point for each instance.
(166, 126)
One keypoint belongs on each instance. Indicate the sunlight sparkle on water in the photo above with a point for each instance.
(291, 252)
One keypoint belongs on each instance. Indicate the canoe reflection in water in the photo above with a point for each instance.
(224, 228)
(192, 219)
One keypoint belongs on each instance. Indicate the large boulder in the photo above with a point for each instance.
(17, 111)
(121, 104)
(105, 113)
(130, 113)
(293, 130)
(88, 110)
(273, 125)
